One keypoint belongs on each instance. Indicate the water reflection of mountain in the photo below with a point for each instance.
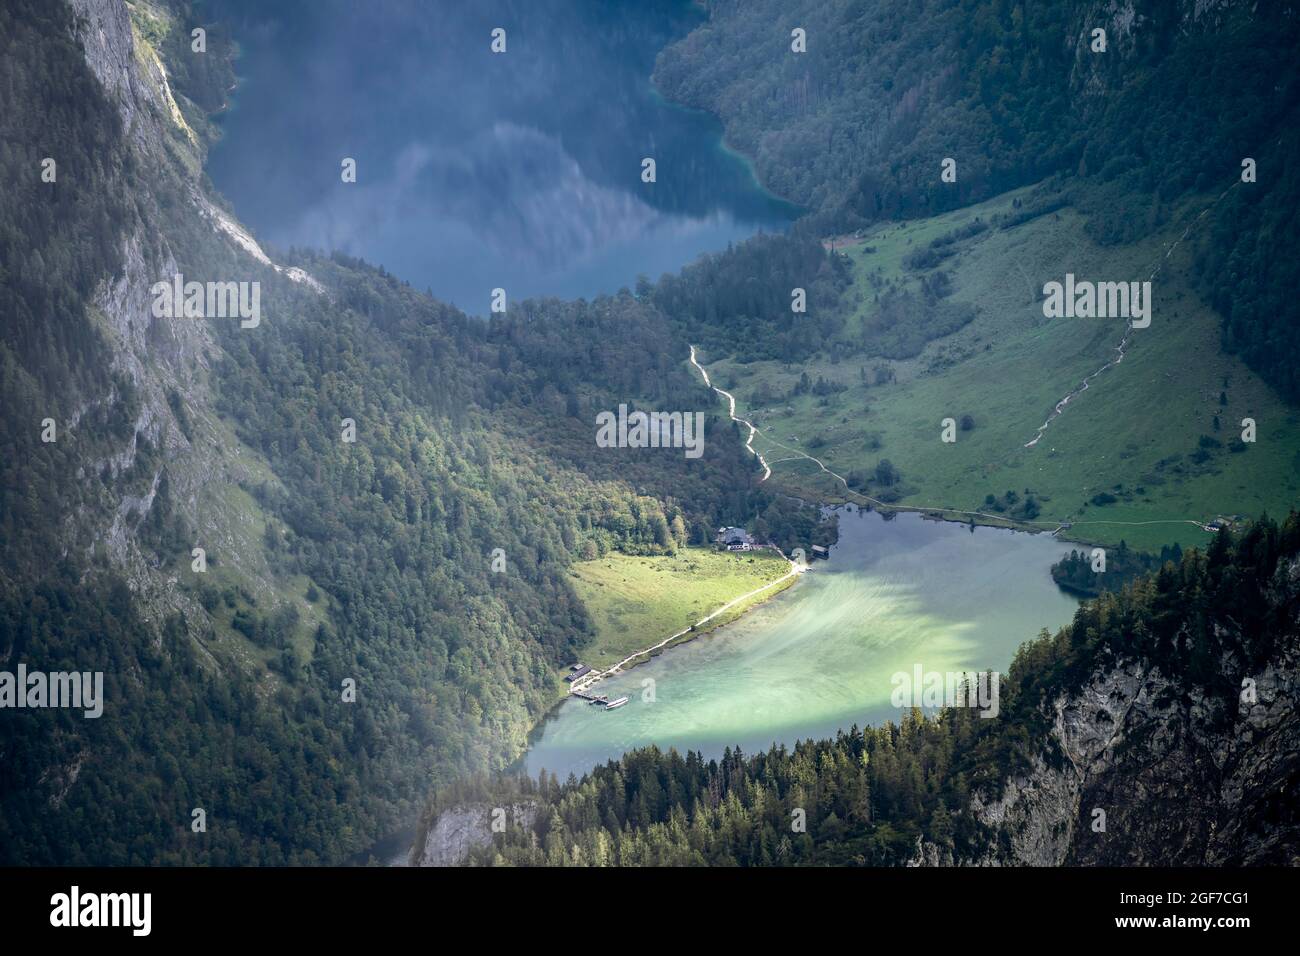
(477, 170)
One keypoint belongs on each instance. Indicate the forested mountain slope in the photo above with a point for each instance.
(329, 562)
(858, 125)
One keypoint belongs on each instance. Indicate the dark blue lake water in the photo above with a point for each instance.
(477, 170)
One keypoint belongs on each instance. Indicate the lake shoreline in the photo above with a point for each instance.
(886, 512)
(894, 593)
(537, 733)
(707, 624)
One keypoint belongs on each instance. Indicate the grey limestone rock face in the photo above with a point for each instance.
(458, 830)
(1178, 778)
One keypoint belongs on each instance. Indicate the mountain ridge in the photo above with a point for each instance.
(327, 563)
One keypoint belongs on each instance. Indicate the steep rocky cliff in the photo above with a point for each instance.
(143, 467)
(167, 362)
(1141, 769)
(457, 830)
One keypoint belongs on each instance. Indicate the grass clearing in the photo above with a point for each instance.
(638, 601)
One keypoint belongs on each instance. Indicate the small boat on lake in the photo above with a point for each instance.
(616, 703)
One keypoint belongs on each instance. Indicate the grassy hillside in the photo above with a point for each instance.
(1135, 434)
(636, 602)
(856, 127)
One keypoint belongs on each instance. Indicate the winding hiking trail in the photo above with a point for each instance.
(1083, 387)
(796, 454)
(1128, 331)
(731, 399)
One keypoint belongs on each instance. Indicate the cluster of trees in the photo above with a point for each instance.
(1075, 571)
(740, 301)
(864, 797)
(904, 322)
(821, 388)
(882, 482)
(1011, 503)
(861, 798)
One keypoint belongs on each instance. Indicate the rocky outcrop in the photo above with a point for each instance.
(166, 361)
(1125, 28)
(105, 34)
(1142, 769)
(458, 830)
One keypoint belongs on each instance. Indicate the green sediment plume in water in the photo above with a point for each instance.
(820, 656)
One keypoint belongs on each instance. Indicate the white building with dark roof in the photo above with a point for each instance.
(735, 539)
